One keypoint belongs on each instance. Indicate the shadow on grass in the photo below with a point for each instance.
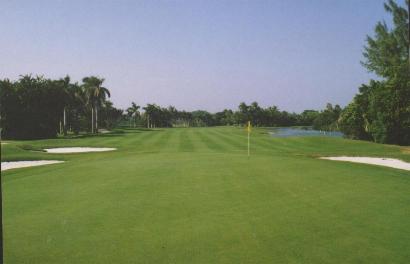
(141, 129)
(31, 148)
(115, 133)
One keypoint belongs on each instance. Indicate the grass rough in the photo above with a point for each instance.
(191, 195)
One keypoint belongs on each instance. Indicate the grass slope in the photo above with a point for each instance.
(192, 196)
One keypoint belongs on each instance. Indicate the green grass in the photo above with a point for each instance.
(193, 196)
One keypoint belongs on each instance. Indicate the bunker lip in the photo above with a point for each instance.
(103, 131)
(8, 165)
(77, 150)
(387, 162)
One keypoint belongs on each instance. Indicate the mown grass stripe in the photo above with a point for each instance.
(160, 143)
(172, 141)
(198, 143)
(136, 143)
(219, 140)
(272, 145)
(185, 143)
(146, 144)
(209, 142)
(238, 207)
(227, 137)
(261, 143)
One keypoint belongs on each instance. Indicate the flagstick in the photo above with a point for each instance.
(249, 138)
(249, 144)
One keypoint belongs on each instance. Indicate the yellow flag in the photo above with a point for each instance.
(249, 127)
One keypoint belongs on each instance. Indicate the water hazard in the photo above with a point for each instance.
(301, 132)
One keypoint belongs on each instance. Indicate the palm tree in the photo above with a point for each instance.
(152, 114)
(65, 84)
(133, 111)
(130, 113)
(78, 107)
(101, 95)
(96, 95)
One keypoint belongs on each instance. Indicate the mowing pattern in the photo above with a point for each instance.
(193, 196)
(205, 140)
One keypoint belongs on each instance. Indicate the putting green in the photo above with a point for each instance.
(193, 196)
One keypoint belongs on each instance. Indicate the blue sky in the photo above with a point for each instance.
(196, 54)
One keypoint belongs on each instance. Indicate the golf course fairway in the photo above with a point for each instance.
(192, 195)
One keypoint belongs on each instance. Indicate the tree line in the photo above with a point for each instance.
(153, 115)
(36, 107)
(380, 112)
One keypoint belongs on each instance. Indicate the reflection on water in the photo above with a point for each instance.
(300, 132)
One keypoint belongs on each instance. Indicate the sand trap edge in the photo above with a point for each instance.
(386, 162)
(69, 150)
(8, 165)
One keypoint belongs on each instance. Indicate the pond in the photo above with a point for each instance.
(301, 132)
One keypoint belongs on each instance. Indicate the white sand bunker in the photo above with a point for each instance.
(77, 150)
(393, 163)
(8, 165)
(103, 131)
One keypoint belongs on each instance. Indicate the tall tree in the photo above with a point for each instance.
(152, 114)
(96, 96)
(133, 112)
(65, 86)
(384, 104)
(244, 113)
(387, 53)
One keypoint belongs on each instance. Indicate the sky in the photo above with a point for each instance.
(196, 54)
